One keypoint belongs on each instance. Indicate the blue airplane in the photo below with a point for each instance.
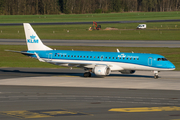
(99, 63)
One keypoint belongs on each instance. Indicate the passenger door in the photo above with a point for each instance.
(50, 56)
(150, 61)
(101, 57)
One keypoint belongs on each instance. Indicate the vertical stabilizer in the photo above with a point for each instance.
(32, 39)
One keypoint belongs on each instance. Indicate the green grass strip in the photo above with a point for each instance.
(89, 17)
(154, 31)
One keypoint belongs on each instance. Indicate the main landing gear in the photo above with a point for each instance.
(88, 72)
(156, 75)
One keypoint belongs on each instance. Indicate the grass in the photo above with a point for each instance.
(9, 59)
(155, 31)
(89, 17)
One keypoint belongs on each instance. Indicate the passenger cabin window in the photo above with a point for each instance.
(61, 55)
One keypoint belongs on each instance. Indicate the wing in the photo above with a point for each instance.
(73, 64)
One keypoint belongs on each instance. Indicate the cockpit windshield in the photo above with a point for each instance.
(162, 59)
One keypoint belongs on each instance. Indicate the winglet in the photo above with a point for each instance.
(118, 51)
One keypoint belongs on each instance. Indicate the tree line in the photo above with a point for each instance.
(31, 7)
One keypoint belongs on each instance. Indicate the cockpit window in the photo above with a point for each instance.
(162, 59)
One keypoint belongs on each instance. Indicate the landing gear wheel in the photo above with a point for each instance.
(156, 76)
(87, 74)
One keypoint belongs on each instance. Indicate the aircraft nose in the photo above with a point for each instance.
(171, 66)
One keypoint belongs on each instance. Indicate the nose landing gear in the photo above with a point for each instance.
(156, 75)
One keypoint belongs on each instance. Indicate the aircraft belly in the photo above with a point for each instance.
(115, 66)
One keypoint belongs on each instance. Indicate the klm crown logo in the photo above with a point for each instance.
(32, 39)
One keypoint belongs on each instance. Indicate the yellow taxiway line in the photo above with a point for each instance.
(145, 109)
(41, 113)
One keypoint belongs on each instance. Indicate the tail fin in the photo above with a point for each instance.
(32, 39)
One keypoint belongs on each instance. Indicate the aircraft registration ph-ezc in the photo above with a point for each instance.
(99, 63)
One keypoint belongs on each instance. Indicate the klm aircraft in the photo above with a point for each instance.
(99, 63)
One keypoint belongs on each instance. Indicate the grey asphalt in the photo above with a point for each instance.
(7, 73)
(94, 103)
(99, 22)
(110, 43)
(17, 94)
(168, 80)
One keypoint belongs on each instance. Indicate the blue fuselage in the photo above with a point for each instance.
(142, 59)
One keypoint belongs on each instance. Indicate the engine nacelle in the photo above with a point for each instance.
(127, 71)
(102, 70)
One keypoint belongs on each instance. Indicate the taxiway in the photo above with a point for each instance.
(27, 93)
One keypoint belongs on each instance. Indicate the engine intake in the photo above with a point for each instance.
(102, 70)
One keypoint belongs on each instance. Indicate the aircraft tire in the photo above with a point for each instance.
(87, 74)
(155, 76)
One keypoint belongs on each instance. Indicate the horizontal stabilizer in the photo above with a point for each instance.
(22, 52)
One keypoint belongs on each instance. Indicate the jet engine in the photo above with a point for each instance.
(102, 70)
(127, 71)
